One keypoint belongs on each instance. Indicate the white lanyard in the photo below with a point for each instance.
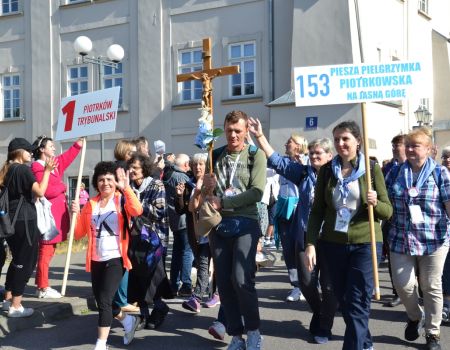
(233, 169)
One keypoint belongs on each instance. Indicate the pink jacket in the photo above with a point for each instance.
(56, 191)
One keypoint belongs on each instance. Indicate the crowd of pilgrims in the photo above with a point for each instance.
(313, 208)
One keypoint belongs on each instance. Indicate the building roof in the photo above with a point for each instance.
(287, 99)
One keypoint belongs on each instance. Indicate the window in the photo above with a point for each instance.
(73, 185)
(77, 80)
(243, 55)
(11, 96)
(190, 61)
(10, 6)
(423, 6)
(113, 77)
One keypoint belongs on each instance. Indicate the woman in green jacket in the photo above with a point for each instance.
(339, 216)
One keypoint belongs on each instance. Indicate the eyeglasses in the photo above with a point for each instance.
(445, 157)
(316, 153)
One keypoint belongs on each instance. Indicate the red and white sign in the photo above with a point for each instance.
(87, 114)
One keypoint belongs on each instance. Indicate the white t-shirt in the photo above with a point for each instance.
(106, 243)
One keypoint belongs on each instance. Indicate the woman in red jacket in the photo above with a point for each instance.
(103, 221)
(56, 194)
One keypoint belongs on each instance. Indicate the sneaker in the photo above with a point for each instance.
(20, 312)
(413, 328)
(192, 304)
(445, 314)
(6, 305)
(320, 340)
(157, 317)
(48, 293)
(217, 330)
(237, 343)
(129, 336)
(254, 340)
(269, 243)
(261, 257)
(294, 295)
(433, 341)
(185, 291)
(394, 302)
(213, 301)
(370, 348)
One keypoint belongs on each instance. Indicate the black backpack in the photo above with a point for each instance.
(6, 224)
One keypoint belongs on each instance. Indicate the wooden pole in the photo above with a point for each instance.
(370, 207)
(74, 219)
(207, 64)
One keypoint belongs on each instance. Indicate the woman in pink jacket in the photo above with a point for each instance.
(56, 194)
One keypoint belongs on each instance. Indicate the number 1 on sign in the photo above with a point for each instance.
(313, 85)
(69, 110)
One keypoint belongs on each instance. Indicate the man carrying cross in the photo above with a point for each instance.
(238, 184)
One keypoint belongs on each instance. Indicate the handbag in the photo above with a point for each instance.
(6, 224)
(205, 219)
(45, 220)
(145, 249)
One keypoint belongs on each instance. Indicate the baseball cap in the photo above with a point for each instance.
(20, 143)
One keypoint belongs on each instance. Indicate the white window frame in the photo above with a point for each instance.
(424, 6)
(112, 74)
(192, 66)
(72, 185)
(241, 60)
(10, 3)
(11, 89)
(78, 79)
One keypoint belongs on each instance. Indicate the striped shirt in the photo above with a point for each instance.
(422, 238)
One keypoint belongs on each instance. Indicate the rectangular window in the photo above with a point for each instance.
(190, 61)
(423, 6)
(12, 100)
(73, 185)
(244, 56)
(77, 80)
(114, 77)
(10, 6)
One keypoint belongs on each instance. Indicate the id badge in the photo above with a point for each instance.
(343, 216)
(229, 192)
(416, 214)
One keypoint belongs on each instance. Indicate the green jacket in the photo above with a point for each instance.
(249, 180)
(323, 211)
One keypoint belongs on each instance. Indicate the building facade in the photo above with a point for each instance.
(161, 38)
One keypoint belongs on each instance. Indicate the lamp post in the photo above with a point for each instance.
(114, 54)
(423, 116)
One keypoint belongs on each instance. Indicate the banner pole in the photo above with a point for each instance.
(73, 219)
(370, 207)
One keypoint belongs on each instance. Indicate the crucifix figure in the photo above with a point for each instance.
(206, 75)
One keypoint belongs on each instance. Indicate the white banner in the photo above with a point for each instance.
(88, 114)
(354, 83)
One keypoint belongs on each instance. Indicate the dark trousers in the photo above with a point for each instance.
(323, 307)
(288, 243)
(352, 278)
(182, 258)
(234, 261)
(106, 277)
(202, 260)
(24, 256)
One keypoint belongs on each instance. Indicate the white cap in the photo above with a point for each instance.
(160, 147)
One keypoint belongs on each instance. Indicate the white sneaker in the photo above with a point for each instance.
(48, 293)
(294, 294)
(254, 340)
(129, 336)
(6, 305)
(20, 312)
(237, 343)
(217, 330)
(261, 257)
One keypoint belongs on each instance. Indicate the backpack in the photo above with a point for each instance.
(252, 149)
(6, 224)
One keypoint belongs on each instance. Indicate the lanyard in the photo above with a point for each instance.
(233, 169)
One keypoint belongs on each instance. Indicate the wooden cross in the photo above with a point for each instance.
(206, 75)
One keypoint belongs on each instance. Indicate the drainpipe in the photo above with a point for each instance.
(271, 53)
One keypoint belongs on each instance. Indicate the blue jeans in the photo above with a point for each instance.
(182, 258)
(288, 243)
(351, 271)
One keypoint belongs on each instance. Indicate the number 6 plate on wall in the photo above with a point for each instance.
(354, 83)
(87, 114)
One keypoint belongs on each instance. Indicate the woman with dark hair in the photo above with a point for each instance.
(339, 216)
(56, 194)
(145, 285)
(22, 186)
(102, 220)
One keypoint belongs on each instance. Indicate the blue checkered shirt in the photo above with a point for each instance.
(424, 238)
